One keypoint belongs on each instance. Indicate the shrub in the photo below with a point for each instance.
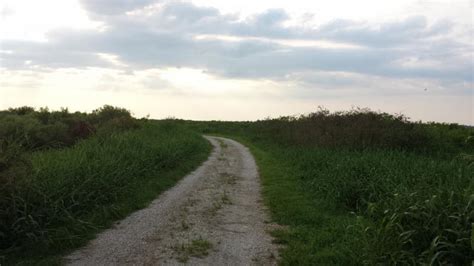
(24, 110)
(108, 113)
(81, 129)
(43, 129)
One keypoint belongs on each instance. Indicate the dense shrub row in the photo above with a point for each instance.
(357, 129)
(40, 129)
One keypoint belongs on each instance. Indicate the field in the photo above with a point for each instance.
(361, 187)
(65, 178)
(350, 188)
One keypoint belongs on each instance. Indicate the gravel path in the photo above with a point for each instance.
(214, 216)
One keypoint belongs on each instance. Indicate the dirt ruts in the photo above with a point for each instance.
(213, 216)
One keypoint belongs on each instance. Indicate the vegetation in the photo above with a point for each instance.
(64, 177)
(196, 248)
(362, 187)
(353, 188)
(44, 129)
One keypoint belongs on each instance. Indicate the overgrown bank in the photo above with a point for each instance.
(56, 197)
(364, 188)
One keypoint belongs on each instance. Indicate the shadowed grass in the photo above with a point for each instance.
(71, 194)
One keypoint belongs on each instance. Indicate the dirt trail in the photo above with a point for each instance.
(214, 216)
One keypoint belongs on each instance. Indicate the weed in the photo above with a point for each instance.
(222, 143)
(196, 248)
(229, 179)
(226, 198)
(184, 225)
(216, 206)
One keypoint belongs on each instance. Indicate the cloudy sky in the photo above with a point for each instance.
(240, 60)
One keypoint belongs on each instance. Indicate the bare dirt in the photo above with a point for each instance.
(213, 216)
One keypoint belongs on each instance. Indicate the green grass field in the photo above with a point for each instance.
(351, 188)
(374, 207)
(57, 199)
(355, 191)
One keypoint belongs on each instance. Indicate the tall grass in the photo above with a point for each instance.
(361, 187)
(67, 195)
(412, 209)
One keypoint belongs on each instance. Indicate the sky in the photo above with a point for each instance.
(240, 60)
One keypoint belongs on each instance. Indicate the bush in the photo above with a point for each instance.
(107, 113)
(42, 129)
(24, 110)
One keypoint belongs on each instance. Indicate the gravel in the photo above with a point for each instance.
(213, 216)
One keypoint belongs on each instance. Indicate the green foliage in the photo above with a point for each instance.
(196, 248)
(113, 119)
(357, 129)
(52, 200)
(416, 209)
(361, 187)
(24, 110)
(108, 112)
(43, 129)
(354, 188)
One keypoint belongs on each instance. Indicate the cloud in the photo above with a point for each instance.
(112, 7)
(165, 35)
(411, 30)
(6, 11)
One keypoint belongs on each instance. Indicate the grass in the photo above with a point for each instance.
(222, 144)
(312, 227)
(71, 194)
(352, 188)
(369, 207)
(196, 248)
(225, 198)
(355, 208)
(365, 202)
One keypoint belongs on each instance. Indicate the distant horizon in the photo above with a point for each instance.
(242, 120)
(240, 61)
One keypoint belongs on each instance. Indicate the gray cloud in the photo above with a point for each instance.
(166, 38)
(410, 30)
(112, 7)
